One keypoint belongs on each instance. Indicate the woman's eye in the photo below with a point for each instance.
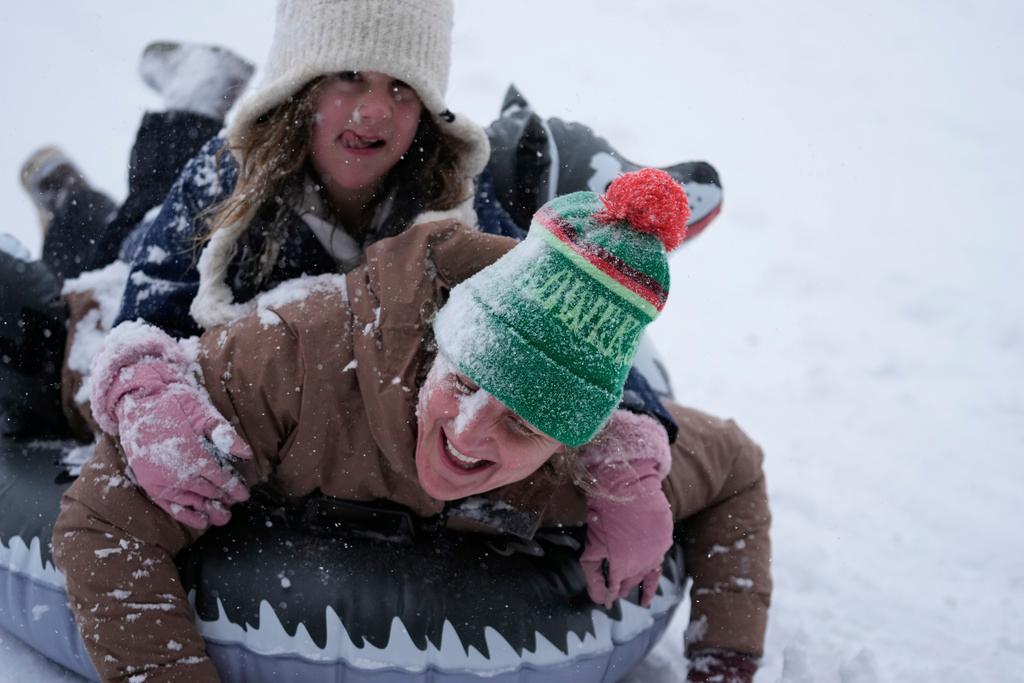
(521, 427)
(462, 387)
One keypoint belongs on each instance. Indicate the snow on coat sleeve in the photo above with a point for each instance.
(253, 371)
(116, 548)
(717, 488)
(164, 277)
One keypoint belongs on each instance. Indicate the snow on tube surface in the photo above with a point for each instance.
(285, 599)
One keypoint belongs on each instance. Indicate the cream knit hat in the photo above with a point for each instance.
(407, 39)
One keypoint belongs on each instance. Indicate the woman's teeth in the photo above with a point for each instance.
(461, 459)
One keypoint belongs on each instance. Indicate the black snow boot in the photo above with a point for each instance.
(204, 79)
(50, 179)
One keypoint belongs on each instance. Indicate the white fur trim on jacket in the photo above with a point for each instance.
(463, 213)
(215, 302)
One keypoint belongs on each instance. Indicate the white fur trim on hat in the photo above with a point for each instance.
(406, 39)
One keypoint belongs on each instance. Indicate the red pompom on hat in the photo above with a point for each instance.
(650, 201)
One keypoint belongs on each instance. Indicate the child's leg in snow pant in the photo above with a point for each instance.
(717, 487)
(78, 226)
(86, 232)
(117, 550)
(164, 143)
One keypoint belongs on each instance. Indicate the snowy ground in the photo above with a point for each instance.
(853, 307)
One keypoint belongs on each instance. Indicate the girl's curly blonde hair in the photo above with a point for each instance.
(274, 154)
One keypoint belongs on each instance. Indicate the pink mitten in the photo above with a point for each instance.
(177, 445)
(629, 520)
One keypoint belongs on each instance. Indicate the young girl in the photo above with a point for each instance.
(347, 140)
(341, 391)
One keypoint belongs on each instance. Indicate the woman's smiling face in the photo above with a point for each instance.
(468, 442)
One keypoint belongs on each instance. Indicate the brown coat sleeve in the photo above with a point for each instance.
(117, 550)
(717, 487)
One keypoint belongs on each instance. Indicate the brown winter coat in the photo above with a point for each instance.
(324, 390)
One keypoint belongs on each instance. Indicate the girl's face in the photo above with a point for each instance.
(363, 122)
(468, 442)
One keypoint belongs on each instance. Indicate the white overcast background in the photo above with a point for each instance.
(856, 307)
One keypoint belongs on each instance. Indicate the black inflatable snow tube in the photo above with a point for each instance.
(284, 600)
(32, 334)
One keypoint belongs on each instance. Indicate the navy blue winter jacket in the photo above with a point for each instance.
(164, 256)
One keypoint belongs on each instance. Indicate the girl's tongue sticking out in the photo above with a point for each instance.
(355, 142)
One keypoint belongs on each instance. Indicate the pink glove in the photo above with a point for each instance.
(177, 445)
(721, 666)
(629, 520)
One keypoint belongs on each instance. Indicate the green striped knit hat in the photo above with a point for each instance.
(551, 328)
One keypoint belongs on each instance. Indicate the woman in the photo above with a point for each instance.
(336, 388)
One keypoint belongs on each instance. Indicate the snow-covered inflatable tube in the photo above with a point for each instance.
(284, 599)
